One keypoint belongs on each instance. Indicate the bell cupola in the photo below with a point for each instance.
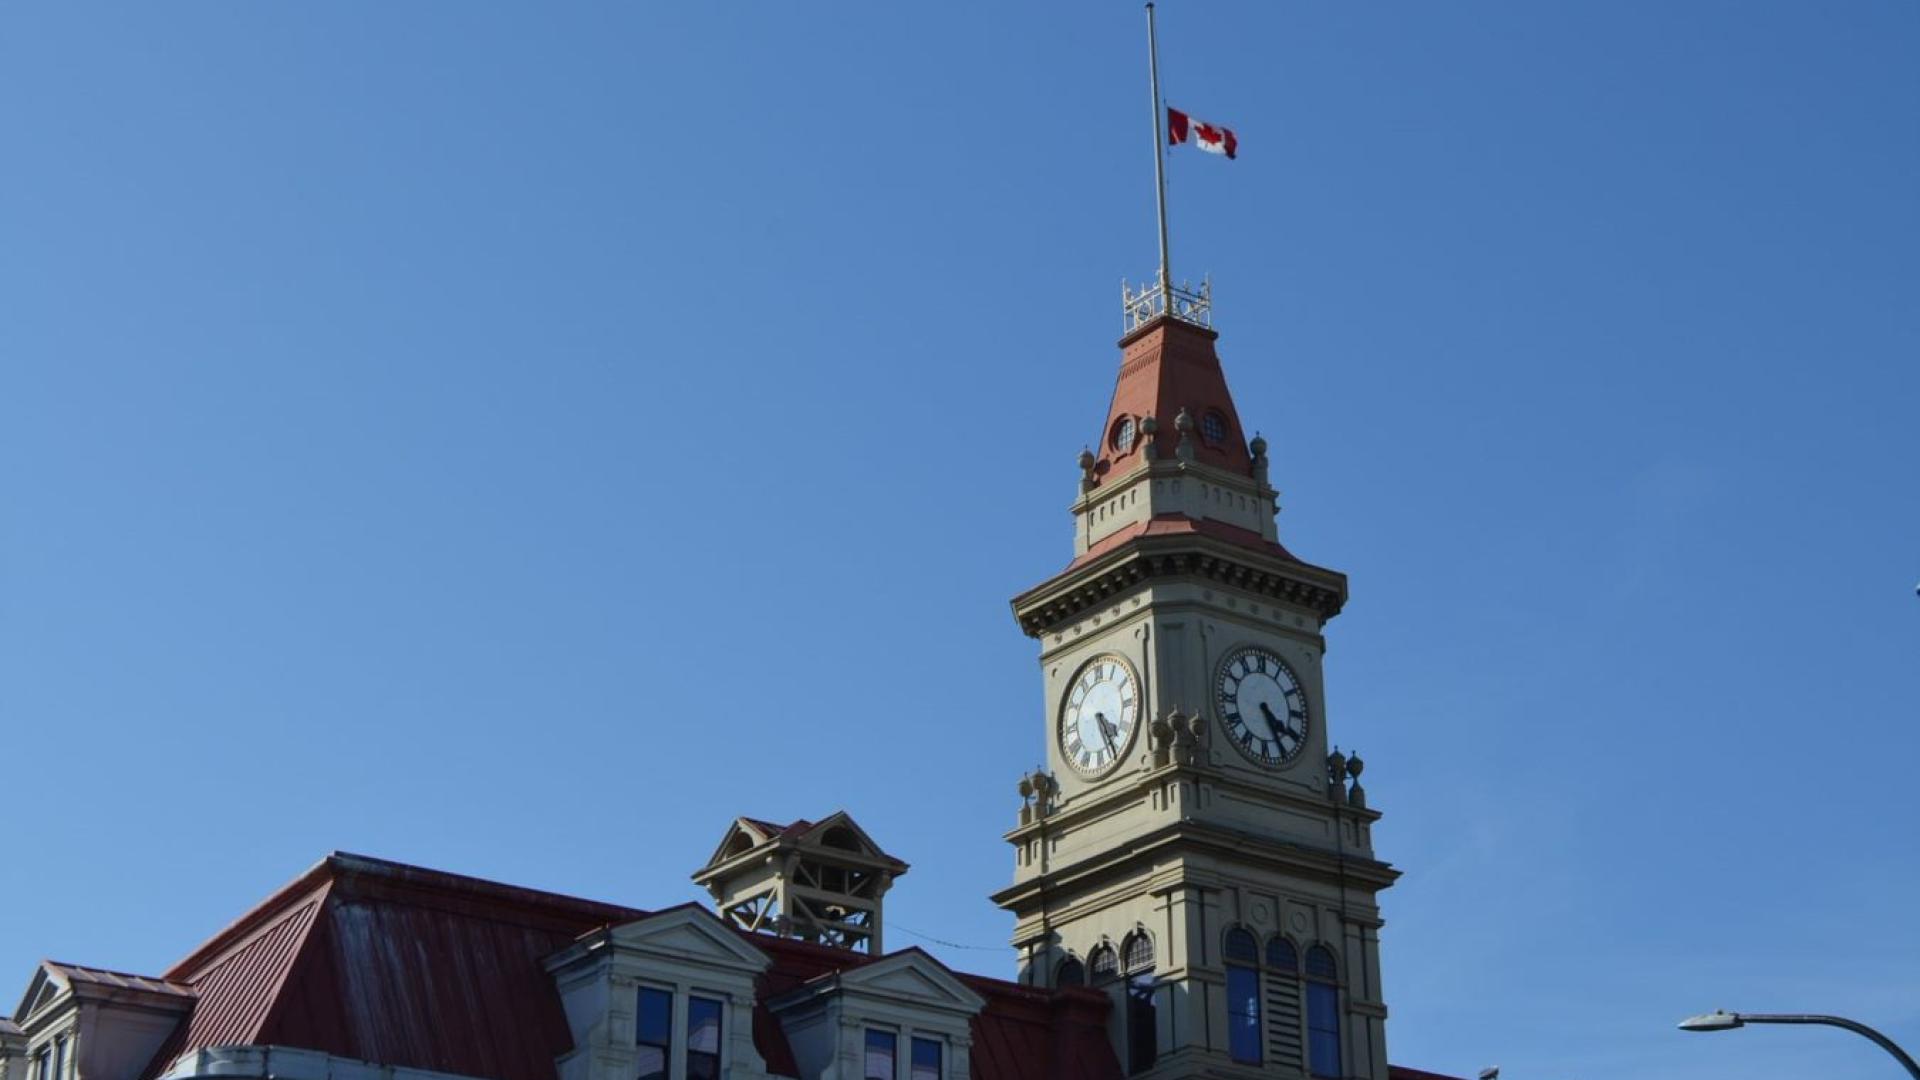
(816, 881)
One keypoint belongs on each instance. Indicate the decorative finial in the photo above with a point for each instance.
(1184, 424)
(1150, 448)
(1087, 462)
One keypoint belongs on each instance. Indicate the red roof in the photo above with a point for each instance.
(1167, 367)
(383, 962)
(1182, 525)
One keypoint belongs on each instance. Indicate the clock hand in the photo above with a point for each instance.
(1106, 732)
(1273, 722)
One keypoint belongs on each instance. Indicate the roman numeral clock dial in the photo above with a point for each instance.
(1099, 714)
(1262, 706)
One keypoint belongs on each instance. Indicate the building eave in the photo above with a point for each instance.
(1058, 601)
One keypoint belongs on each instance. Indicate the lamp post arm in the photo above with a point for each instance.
(1891, 1047)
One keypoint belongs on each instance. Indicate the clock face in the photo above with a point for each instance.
(1099, 714)
(1262, 706)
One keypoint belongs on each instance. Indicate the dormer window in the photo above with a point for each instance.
(653, 1014)
(666, 997)
(926, 1057)
(902, 1017)
(1213, 427)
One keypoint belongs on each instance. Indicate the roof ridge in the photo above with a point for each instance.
(94, 969)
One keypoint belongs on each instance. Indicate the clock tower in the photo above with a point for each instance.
(1195, 846)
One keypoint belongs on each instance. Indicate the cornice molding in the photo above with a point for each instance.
(1307, 862)
(1055, 603)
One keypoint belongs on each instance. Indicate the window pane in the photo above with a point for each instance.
(1103, 964)
(1280, 955)
(1242, 947)
(926, 1059)
(1243, 1014)
(1142, 1040)
(1323, 1029)
(1070, 974)
(655, 1024)
(703, 1039)
(653, 1030)
(1320, 963)
(881, 1047)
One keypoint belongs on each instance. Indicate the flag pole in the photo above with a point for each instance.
(1159, 161)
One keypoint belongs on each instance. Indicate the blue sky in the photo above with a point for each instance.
(516, 439)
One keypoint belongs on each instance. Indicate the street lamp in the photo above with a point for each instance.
(1725, 1021)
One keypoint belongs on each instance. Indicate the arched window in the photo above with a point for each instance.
(1241, 948)
(1323, 1012)
(1286, 1042)
(1282, 957)
(1070, 973)
(1320, 964)
(1243, 996)
(1103, 964)
(1142, 1039)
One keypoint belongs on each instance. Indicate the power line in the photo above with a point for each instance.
(943, 942)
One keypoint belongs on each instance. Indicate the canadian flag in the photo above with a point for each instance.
(1208, 137)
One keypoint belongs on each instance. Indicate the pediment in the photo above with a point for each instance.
(44, 987)
(688, 933)
(742, 836)
(838, 832)
(913, 974)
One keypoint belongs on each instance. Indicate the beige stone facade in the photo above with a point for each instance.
(1184, 837)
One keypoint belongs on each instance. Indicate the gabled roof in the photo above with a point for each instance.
(746, 834)
(41, 989)
(676, 933)
(910, 973)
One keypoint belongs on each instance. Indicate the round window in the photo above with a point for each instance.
(1123, 433)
